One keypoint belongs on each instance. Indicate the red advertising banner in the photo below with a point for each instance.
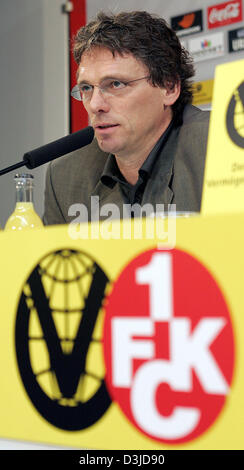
(77, 18)
(224, 14)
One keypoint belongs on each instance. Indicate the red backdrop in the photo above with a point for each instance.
(77, 18)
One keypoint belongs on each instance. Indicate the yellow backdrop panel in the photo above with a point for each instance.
(215, 241)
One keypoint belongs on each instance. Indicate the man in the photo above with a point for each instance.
(150, 142)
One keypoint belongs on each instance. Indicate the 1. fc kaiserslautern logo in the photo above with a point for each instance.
(58, 339)
(169, 346)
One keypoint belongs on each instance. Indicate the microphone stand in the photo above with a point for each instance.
(12, 167)
(53, 150)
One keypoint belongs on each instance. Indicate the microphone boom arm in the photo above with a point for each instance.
(55, 149)
(12, 167)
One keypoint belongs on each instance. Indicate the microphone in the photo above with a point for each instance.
(55, 149)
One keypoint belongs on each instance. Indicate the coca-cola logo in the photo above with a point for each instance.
(231, 11)
(224, 14)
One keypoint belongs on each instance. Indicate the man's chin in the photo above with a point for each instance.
(106, 146)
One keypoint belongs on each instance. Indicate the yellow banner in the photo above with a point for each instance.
(124, 344)
(202, 92)
(223, 189)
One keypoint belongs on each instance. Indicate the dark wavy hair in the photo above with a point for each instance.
(149, 39)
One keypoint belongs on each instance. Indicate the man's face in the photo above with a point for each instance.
(137, 115)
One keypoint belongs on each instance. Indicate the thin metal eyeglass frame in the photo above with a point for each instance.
(75, 89)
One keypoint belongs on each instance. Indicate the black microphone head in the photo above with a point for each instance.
(58, 148)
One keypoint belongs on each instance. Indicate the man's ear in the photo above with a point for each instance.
(171, 93)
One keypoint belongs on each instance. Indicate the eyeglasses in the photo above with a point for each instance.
(109, 87)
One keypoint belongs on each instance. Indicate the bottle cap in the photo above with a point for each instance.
(23, 175)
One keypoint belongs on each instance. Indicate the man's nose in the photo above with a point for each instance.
(98, 101)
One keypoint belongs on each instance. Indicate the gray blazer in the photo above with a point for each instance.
(74, 178)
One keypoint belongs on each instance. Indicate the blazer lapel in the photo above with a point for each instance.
(158, 189)
(109, 202)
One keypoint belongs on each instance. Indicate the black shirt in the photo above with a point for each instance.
(133, 193)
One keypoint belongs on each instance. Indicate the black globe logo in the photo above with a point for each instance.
(58, 339)
(235, 116)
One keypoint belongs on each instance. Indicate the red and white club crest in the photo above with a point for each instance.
(168, 345)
